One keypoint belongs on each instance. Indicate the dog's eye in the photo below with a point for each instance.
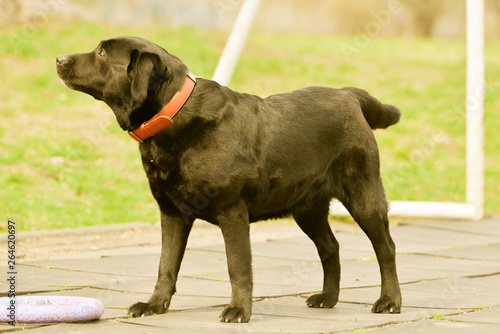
(102, 53)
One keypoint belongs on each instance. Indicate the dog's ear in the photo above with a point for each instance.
(144, 74)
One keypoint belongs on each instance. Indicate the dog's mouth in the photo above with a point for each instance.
(65, 70)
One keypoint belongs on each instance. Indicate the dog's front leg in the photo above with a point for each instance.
(236, 231)
(174, 233)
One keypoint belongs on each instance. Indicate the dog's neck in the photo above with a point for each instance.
(163, 119)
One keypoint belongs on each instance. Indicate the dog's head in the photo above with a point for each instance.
(133, 76)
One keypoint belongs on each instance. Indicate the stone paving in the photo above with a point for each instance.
(449, 274)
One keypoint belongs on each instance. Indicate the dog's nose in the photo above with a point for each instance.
(60, 59)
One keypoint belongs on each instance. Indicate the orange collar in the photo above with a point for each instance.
(163, 119)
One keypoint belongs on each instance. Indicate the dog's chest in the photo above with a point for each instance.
(159, 164)
(163, 169)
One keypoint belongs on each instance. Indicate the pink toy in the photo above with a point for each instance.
(49, 309)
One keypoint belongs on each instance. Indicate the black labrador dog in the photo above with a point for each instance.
(232, 159)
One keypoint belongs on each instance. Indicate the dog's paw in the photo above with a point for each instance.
(235, 314)
(323, 300)
(145, 309)
(386, 305)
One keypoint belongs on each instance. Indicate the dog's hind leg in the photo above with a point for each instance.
(313, 220)
(364, 197)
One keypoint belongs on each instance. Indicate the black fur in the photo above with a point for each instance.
(233, 158)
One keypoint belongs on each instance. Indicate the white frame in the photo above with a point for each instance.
(473, 208)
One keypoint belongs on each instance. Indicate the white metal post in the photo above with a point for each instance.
(236, 42)
(475, 105)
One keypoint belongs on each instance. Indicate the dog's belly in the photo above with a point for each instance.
(278, 194)
(282, 202)
(270, 188)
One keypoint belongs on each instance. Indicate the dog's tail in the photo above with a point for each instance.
(378, 115)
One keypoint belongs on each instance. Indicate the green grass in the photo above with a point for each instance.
(65, 162)
(437, 316)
